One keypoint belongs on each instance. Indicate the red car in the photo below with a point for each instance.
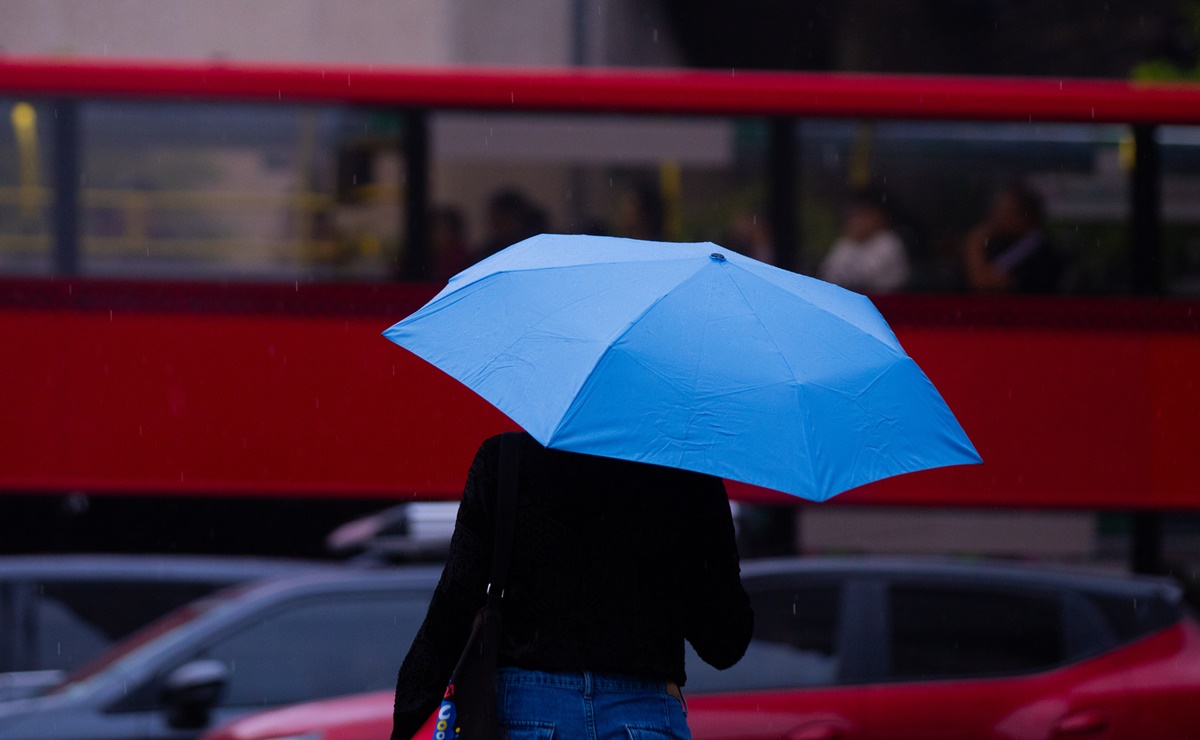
(909, 649)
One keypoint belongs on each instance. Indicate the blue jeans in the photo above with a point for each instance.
(585, 706)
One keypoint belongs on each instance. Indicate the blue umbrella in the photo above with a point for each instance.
(688, 355)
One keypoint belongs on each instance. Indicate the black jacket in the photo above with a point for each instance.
(614, 564)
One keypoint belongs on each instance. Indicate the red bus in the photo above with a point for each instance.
(196, 261)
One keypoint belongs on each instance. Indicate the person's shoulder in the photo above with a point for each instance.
(888, 240)
(1045, 243)
(490, 447)
(691, 482)
(837, 256)
(841, 245)
(491, 444)
(487, 457)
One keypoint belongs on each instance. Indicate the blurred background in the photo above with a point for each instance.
(208, 212)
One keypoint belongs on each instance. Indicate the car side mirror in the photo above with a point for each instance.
(192, 690)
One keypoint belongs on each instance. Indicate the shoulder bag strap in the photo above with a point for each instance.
(506, 514)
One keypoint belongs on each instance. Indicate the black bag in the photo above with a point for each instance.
(468, 710)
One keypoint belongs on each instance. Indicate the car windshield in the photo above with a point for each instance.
(172, 621)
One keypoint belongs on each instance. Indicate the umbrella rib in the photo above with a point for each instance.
(788, 291)
(536, 268)
(893, 346)
(519, 337)
(799, 385)
(573, 409)
(695, 379)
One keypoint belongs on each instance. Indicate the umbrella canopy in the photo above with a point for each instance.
(688, 355)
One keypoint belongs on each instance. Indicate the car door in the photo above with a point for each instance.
(305, 649)
(791, 681)
(982, 660)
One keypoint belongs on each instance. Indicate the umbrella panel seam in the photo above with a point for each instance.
(573, 408)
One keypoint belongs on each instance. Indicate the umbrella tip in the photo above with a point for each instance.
(717, 257)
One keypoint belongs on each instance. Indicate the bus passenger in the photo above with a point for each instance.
(868, 257)
(1010, 252)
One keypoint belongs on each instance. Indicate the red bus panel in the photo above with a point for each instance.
(160, 389)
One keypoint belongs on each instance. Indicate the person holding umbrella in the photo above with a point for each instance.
(642, 374)
(615, 563)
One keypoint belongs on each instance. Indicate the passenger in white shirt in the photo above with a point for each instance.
(868, 257)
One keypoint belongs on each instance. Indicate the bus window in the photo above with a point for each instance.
(506, 176)
(243, 191)
(26, 186)
(941, 176)
(1180, 156)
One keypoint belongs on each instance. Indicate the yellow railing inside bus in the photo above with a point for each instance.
(136, 206)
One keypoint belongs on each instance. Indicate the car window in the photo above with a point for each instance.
(1131, 617)
(795, 643)
(343, 644)
(946, 631)
(1085, 630)
(119, 608)
(145, 636)
(9, 631)
(77, 620)
(63, 641)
